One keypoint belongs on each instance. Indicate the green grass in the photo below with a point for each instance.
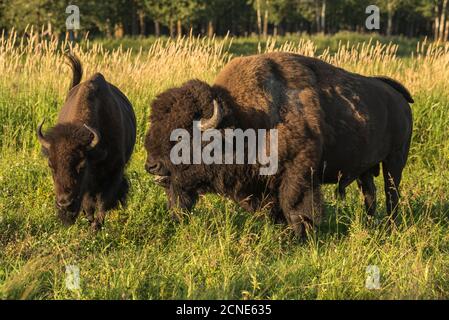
(219, 251)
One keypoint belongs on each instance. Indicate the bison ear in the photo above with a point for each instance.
(213, 121)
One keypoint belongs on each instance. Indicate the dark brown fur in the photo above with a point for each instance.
(93, 179)
(334, 127)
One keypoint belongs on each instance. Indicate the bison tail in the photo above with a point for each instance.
(398, 87)
(77, 69)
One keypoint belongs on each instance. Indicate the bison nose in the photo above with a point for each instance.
(64, 201)
(153, 167)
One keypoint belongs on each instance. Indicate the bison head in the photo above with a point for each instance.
(174, 109)
(71, 150)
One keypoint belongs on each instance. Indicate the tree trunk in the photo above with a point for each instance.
(134, 27)
(210, 29)
(275, 30)
(259, 18)
(317, 17)
(443, 21)
(390, 19)
(70, 35)
(108, 29)
(157, 28)
(265, 24)
(437, 23)
(142, 23)
(436, 28)
(179, 28)
(172, 28)
(446, 31)
(323, 17)
(119, 30)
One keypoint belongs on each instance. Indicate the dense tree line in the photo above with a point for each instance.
(115, 18)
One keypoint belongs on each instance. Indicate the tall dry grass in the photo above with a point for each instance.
(426, 70)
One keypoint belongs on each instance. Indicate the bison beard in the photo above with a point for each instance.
(333, 126)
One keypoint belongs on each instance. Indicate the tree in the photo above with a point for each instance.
(212, 12)
(22, 13)
(119, 17)
(435, 11)
(390, 6)
(169, 12)
(443, 23)
(156, 10)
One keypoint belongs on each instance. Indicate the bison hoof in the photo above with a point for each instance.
(175, 217)
(96, 226)
(340, 193)
(303, 229)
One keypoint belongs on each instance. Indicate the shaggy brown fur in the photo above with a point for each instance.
(90, 178)
(334, 127)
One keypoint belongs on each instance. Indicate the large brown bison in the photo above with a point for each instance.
(333, 127)
(89, 147)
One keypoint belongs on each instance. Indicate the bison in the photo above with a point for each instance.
(333, 126)
(89, 147)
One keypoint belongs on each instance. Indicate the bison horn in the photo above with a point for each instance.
(213, 121)
(96, 137)
(40, 136)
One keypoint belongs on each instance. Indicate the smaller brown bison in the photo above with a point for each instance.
(89, 147)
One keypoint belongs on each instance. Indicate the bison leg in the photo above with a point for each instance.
(300, 201)
(299, 190)
(368, 188)
(340, 192)
(306, 214)
(88, 206)
(123, 191)
(109, 199)
(276, 214)
(392, 171)
(180, 201)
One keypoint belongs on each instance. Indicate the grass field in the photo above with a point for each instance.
(220, 251)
